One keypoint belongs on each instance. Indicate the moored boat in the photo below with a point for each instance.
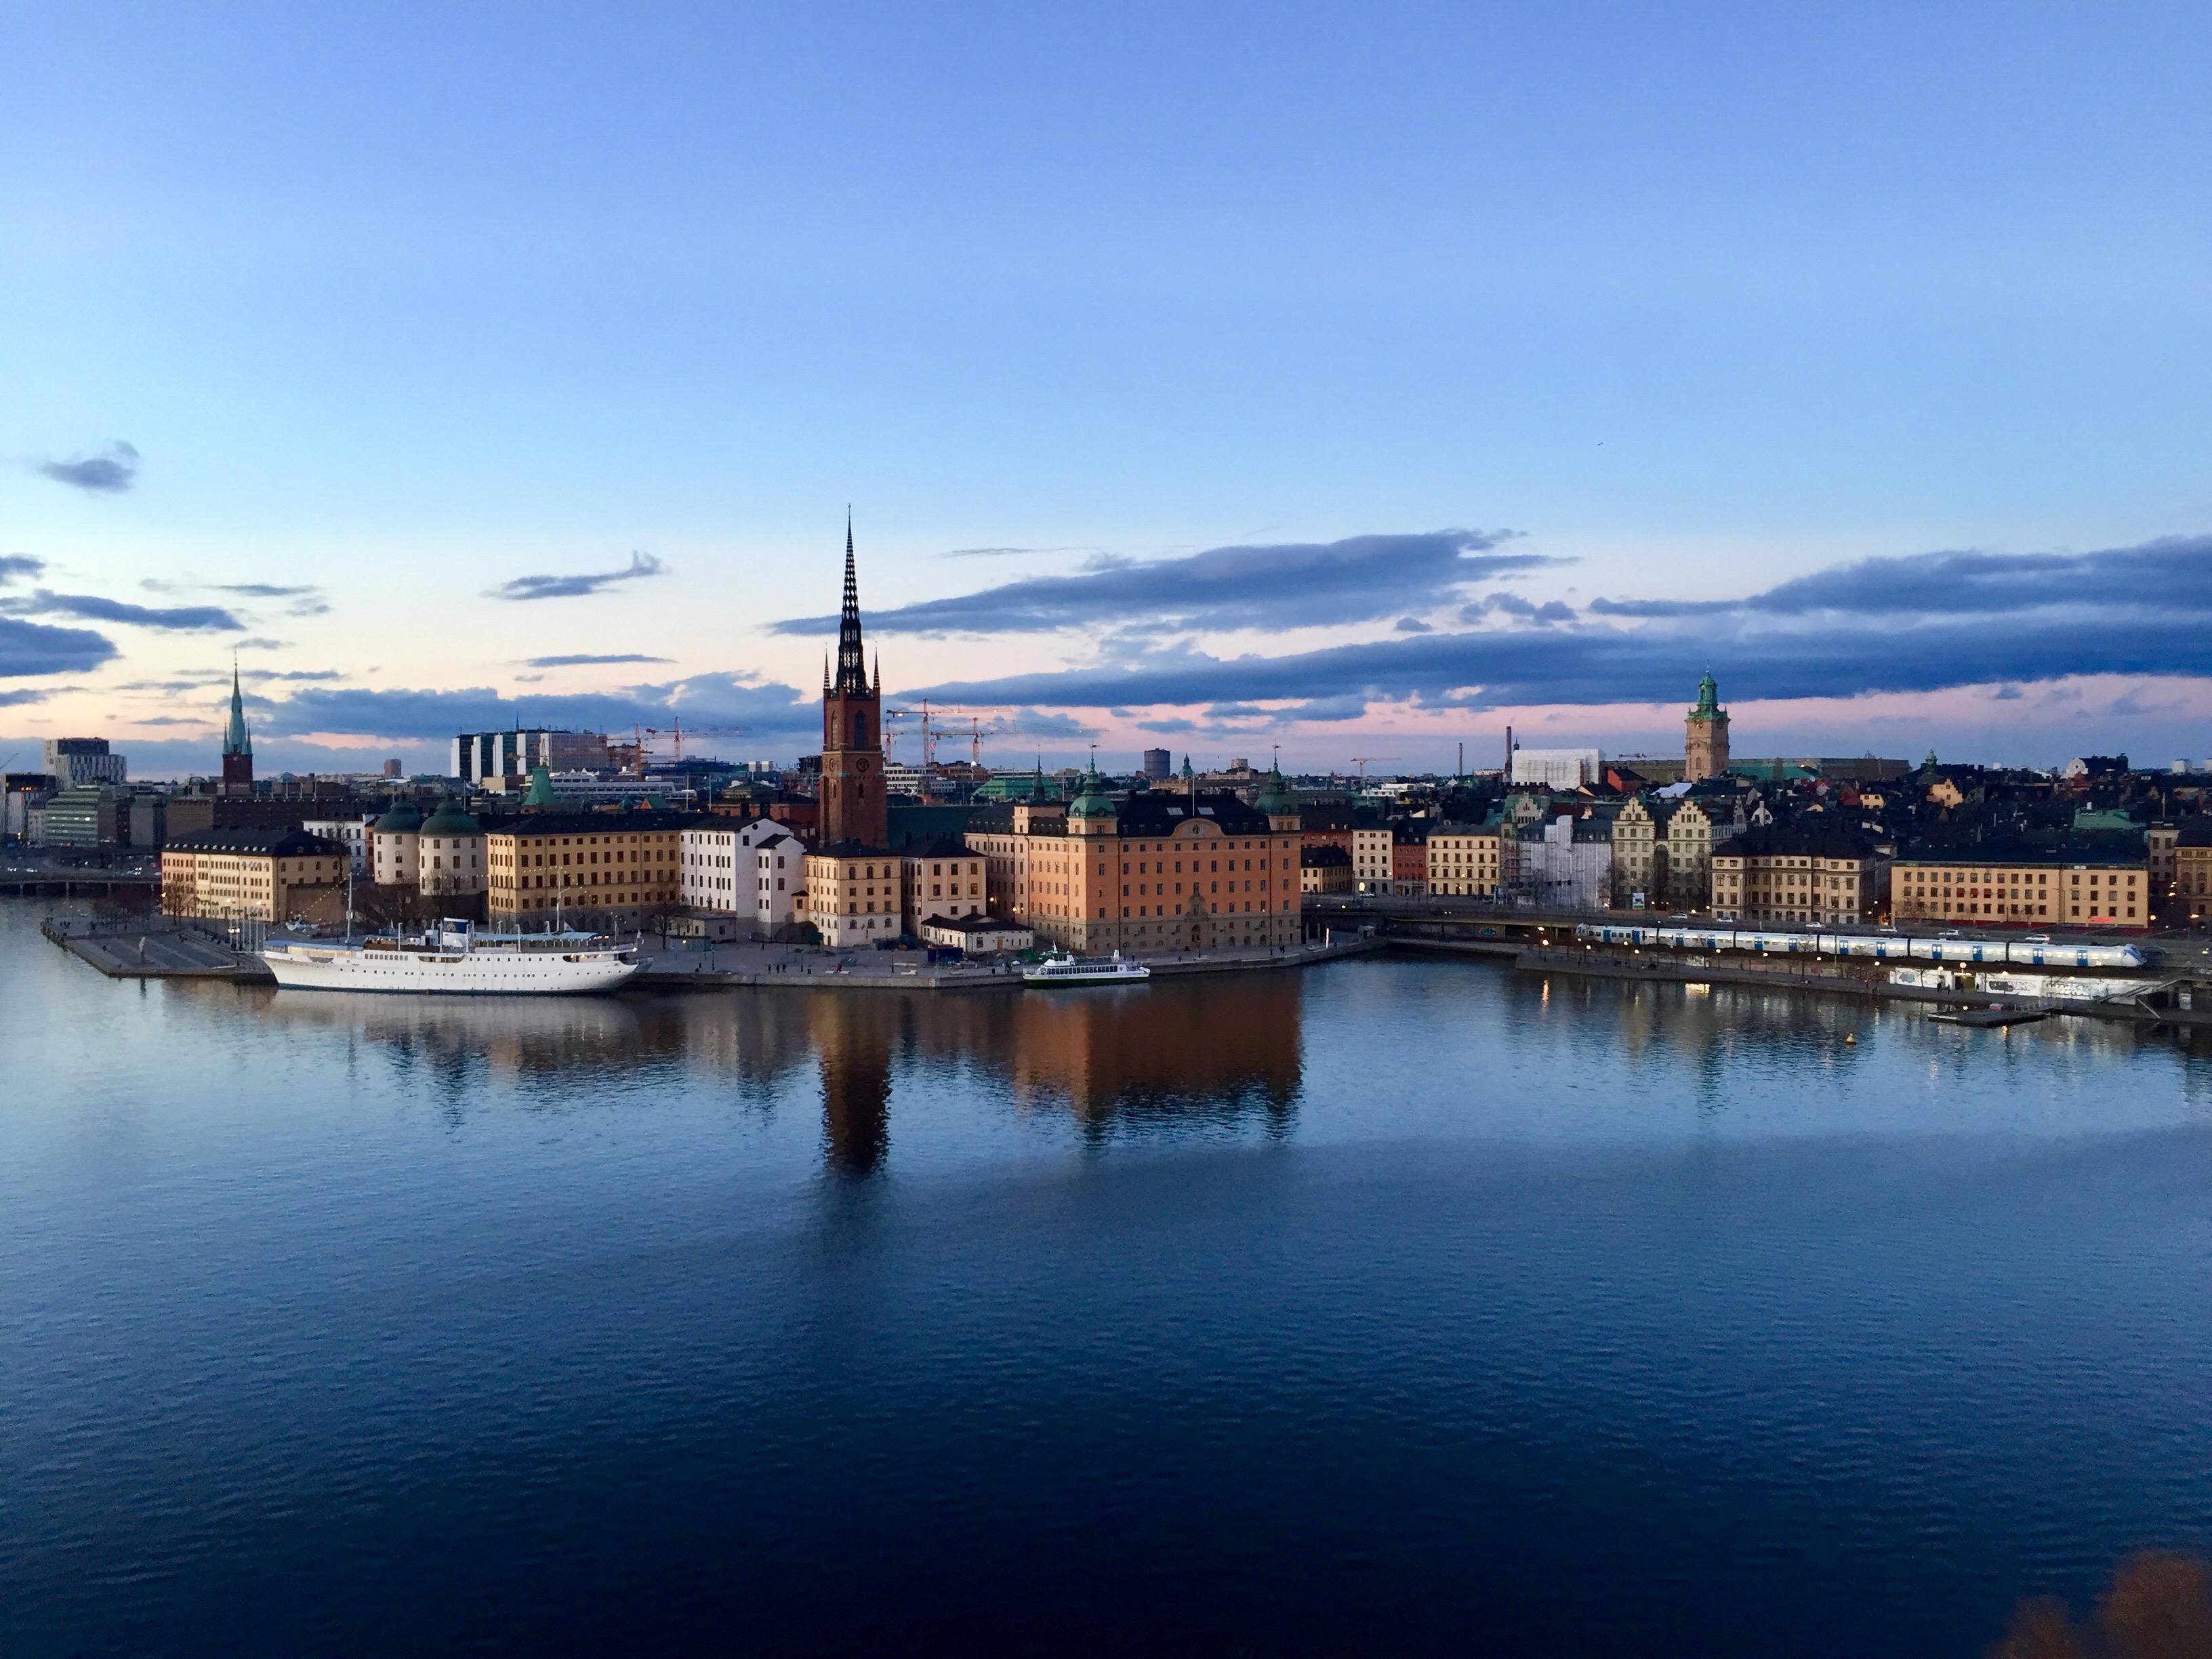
(1064, 968)
(454, 959)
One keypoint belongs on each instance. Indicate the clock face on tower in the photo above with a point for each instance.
(864, 763)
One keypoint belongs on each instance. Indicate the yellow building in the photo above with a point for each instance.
(1157, 872)
(945, 880)
(1470, 859)
(2022, 888)
(852, 895)
(1814, 878)
(254, 875)
(591, 869)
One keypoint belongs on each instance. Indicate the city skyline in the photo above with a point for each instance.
(1362, 389)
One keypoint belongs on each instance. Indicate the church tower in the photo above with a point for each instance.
(1704, 735)
(853, 807)
(237, 744)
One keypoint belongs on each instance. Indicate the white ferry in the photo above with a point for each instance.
(454, 959)
(1066, 969)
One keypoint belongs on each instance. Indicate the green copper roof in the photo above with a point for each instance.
(1708, 700)
(1092, 803)
(400, 818)
(236, 739)
(540, 793)
(450, 820)
(1276, 800)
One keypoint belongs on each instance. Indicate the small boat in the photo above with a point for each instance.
(454, 959)
(1066, 969)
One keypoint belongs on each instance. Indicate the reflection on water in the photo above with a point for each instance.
(1120, 1060)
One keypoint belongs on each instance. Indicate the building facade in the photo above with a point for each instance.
(852, 897)
(751, 867)
(1371, 860)
(1705, 735)
(591, 869)
(1565, 865)
(1470, 860)
(1556, 768)
(1155, 873)
(254, 875)
(2192, 871)
(1409, 861)
(1323, 869)
(2020, 889)
(1806, 879)
(71, 761)
(943, 881)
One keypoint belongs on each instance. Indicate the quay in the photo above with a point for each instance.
(155, 949)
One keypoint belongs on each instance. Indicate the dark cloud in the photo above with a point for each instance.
(2175, 570)
(29, 649)
(109, 473)
(1291, 585)
(308, 599)
(1007, 552)
(91, 607)
(571, 587)
(2157, 624)
(725, 700)
(1513, 605)
(309, 608)
(18, 698)
(582, 659)
(1413, 625)
(13, 565)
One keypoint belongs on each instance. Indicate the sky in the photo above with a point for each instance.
(1340, 380)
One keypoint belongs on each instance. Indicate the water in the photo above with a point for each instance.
(1400, 1305)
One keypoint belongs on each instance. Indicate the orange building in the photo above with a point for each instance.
(2022, 888)
(1157, 873)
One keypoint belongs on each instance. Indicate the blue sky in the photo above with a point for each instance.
(1339, 307)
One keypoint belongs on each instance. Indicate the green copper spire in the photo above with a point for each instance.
(236, 739)
(1709, 698)
(540, 793)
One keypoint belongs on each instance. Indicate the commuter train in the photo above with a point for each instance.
(1891, 947)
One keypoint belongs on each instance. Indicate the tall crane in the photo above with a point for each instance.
(1366, 761)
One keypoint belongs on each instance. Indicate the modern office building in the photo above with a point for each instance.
(74, 760)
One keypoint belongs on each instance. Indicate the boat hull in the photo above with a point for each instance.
(478, 973)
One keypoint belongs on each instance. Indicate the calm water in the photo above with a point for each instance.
(1405, 1305)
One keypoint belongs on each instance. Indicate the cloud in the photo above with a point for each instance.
(309, 608)
(2175, 569)
(108, 473)
(1413, 625)
(570, 587)
(29, 649)
(260, 644)
(713, 703)
(583, 659)
(185, 618)
(307, 600)
(1513, 605)
(1007, 552)
(1289, 585)
(2153, 624)
(16, 699)
(13, 565)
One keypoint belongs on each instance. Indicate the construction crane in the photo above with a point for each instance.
(1363, 762)
(674, 732)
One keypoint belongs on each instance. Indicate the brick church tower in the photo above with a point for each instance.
(854, 808)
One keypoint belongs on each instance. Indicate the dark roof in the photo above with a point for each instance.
(271, 843)
(2014, 855)
(1323, 857)
(1327, 815)
(1158, 812)
(1797, 842)
(2195, 832)
(945, 847)
(603, 824)
(856, 849)
(975, 924)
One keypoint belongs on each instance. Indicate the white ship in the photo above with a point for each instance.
(1066, 969)
(454, 959)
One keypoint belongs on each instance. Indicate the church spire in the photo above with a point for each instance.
(852, 667)
(236, 740)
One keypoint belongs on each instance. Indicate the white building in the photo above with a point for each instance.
(1567, 865)
(486, 757)
(1370, 858)
(352, 834)
(754, 869)
(1557, 769)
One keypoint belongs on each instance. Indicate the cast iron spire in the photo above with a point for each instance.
(852, 669)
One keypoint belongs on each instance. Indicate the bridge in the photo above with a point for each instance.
(61, 881)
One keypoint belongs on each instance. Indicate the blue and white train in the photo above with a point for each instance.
(1881, 947)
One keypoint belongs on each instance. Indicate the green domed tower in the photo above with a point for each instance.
(1277, 802)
